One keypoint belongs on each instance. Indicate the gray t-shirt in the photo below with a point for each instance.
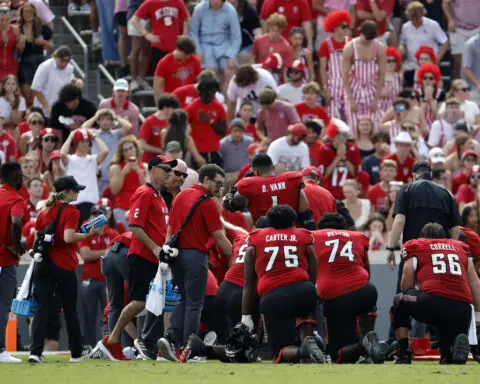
(471, 56)
(234, 155)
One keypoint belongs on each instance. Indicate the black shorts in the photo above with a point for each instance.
(229, 301)
(341, 314)
(451, 317)
(141, 273)
(121, 18)
(282, 307)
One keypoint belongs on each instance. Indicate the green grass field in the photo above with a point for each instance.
(57, 370)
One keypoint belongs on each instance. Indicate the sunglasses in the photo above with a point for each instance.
(400, 108)
(36, 122)
(164, 168)
(410, 128)
(466, 89)
(180, 174)
(475, 176)
(50, 140)
(428, 78)
(391, 61)
(219, 184)
(345, 26)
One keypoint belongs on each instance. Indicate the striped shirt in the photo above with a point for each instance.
(466, 13)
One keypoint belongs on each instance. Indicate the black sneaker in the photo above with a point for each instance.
(372, 346)
(391, 351)
(460, 349)
(86, 353)
(34, 359)
(404, 357)
(195, 347)
(167, 348)
(143, 350)
(310, 350)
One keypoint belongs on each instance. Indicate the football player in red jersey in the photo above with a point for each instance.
(265, 190)
(339, 158)
(280, 263)
(448, 285)
(343, 283)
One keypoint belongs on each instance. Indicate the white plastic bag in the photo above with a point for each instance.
(24, 290)
(156, 296)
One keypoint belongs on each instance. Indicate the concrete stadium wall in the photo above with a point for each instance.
(384, 279)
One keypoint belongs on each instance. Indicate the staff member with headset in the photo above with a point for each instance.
(14, 212)
(420, 203)
(56, 273)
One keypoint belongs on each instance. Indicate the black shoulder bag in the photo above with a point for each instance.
(170, 249)
(46, 237)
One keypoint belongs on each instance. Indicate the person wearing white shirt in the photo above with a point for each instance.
(292, 91)
(441, 131)
(246, 85)
(290, 153)
(420, 30)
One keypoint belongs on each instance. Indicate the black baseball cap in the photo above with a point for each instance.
(67, 183)
(421, 165)
(160, 159)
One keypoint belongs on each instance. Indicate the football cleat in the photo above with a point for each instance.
(372, 346)
(195, 347)
(310, 350)
(143, 351)
(167, 349)
(460, 349)
(364, 360)
(404, 357)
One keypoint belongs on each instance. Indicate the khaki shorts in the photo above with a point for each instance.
(132, 31)
(459, 38)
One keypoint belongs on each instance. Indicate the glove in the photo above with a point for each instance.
(247, 320)
(170, 252)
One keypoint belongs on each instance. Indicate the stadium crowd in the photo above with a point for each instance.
(320, 105)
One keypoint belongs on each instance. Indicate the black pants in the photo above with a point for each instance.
(342, 312)
(282, 307)
(451, 317)
(50, 279)
(210, 158)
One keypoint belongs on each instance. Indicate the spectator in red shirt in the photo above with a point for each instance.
(468, 192)
(150, 138)
(402, 157)
(297, 13)
(246, 113)
(178, 68)
(273, 41)
(468, 160)
(208, 120)
(168, 19)
(8, 146)
(315, 128)
(187, 93)
(378, 11)
(319, 199)
(378, 193)
(309, 109)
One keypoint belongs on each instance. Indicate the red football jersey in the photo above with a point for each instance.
(441, 267)
(235, 274)
(264, 192)
(280, 257)
(319, 199)
(404, 170)
(342, 257)
(473, 241)
(335, 181)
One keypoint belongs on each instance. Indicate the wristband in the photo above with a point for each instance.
(477, 316)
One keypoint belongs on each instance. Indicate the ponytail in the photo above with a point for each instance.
(53, 198)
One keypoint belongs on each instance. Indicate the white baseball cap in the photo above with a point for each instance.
(436, 156)
(404, 138)
(121, 85)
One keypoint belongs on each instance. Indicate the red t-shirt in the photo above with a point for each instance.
(324, 50)
(280, 257)
(23, 127)
(63, 255)
(205, 138)
(92, 269)
(465, 194)
(384, 5)
(178, 73)
(314, 152)
(441, 267)
(263, 46)
(473, 241)
(124, 238)
(8, 146)
(131, 182)
(458, 180)
(166, 20)
(212, 285)
(264, 192)
(404, 170)
(235, 274)
(148, 211)
(335, 181)
(11, 205)
(252, 132)
(295, 11)
(342, 257)
(319, 199)
(377, 196)
(186, 94)
(150, 131)
(306, 113)
(204, 221)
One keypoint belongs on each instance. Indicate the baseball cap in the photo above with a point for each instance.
(81, 134)
(173, 146)
(273, 61)
(299, 65)
(311, 171)
(47, 132)
(255, 148)
(160, 159)
(474, 169)
(55, 155)
(105, 202)
(436, 156)
(421, 164)
(237, 122)
(67, 183)
(336, 127)
(469, 152)
(298, 129)
(181, 167)
(404, 138)
(121, 85)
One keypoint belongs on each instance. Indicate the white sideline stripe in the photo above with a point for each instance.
(51, 353)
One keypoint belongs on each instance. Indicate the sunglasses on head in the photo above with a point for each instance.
(428, 78)
(36, 122)
(180, 174)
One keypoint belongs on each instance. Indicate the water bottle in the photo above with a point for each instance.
(95, 223)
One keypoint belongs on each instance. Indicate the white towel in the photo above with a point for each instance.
(472, 332)
(156, 296)
(24, 290)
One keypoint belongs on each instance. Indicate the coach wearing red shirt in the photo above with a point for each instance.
(178, 68)
(191, 267)
(208, 120)
(148, 223)
(13, 216)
